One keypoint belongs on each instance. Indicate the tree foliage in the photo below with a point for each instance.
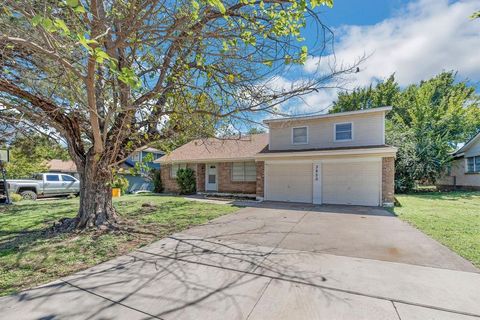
(427, 122)
(30, 154)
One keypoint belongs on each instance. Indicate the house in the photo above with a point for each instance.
(137, 181)
(62, 166)
(337, 158)
(464, 170)
(140, 181)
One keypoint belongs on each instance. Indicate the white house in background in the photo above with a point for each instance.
(336, 158)
(464, 170)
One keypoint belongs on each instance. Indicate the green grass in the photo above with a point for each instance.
(31, 255)
(452, 218)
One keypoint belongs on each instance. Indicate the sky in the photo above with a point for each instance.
(414, 39)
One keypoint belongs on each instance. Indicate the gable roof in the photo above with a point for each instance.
(238, 148)
(329, 115)
(467, 145)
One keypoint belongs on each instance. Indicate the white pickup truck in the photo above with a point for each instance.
(45, 185)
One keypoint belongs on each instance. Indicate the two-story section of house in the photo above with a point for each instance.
(336, 158)
(139, 180)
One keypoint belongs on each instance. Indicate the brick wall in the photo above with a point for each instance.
(260, 178)
(388, 179)
(225, 183)
(200, 177)
(169, 183)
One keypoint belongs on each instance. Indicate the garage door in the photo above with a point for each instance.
(356, 183)
(288, 182)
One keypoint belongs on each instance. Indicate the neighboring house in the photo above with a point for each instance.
(136, 181)
(140, 181)
(326, 159)
(464, 170)
(61, 166)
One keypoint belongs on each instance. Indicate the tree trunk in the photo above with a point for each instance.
(96, 208)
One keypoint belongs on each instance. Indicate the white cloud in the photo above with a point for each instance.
(425, 38)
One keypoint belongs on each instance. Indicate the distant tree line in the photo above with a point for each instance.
(427, 123)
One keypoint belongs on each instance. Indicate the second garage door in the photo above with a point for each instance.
(288, 182)
(356, 183)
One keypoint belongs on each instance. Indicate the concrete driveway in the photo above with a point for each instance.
(271, 261)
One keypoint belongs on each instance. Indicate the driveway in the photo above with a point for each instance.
(271, 261)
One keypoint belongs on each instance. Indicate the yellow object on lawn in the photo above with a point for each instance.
(116, 192)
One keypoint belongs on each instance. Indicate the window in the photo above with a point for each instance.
(244, 171)
(343, 131)
(53, 177)
(136, 157)
(473, 164)
(300, 135)
(175, 168)
(67, 178)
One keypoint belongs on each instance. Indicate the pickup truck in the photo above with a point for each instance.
(45, 185)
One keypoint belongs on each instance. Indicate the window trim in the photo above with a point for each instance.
(475, 169)
(335, 131)
(136, 156)
(244, 172)
(300, 127)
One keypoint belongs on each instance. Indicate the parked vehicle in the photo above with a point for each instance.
(45, 185)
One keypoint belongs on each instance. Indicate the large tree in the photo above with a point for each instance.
(113, 75)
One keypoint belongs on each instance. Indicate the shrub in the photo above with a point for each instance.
(120, 182)
(15, 197)
(186, 181)
(157, 181)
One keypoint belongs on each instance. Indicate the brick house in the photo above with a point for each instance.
(336, 158)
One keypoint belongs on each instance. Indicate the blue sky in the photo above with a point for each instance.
(414, 39)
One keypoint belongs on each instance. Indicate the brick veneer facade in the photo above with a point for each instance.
(388, 180)
(225, 183)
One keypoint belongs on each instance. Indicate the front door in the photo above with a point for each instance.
(211, 181)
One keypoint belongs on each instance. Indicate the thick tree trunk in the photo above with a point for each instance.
(96, 208)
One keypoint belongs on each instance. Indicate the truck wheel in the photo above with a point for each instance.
(28, 195)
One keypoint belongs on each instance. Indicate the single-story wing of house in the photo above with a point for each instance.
(336, 158)
(464, 171)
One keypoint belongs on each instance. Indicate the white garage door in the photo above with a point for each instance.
(288, 182)
(356, 183)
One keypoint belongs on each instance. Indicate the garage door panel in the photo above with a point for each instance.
(356, 183)
(289, 182)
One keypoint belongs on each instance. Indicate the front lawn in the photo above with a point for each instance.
(452, 218)
(31, 255)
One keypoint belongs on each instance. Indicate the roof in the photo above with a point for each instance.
(329, 115)
(266, 150)
(62, 166)
(153, 150)
(467, 145)
(245, 147)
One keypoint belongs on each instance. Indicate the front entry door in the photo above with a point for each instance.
(211, 180)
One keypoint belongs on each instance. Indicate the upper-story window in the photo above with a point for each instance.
(300, 135)
(473, 164)
(343, 131)
(136, 156)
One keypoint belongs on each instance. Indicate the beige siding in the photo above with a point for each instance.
(463, 179)
(368, 129)
(474, 150)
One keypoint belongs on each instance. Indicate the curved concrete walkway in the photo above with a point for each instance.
(271, 261)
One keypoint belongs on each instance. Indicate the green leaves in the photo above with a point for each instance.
(56, 25)
(315, 3)
(128, 76)
(217, 4)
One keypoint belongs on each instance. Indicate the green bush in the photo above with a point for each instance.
(157, 181)
(186, 181)
(15, 197)
(121, 182)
